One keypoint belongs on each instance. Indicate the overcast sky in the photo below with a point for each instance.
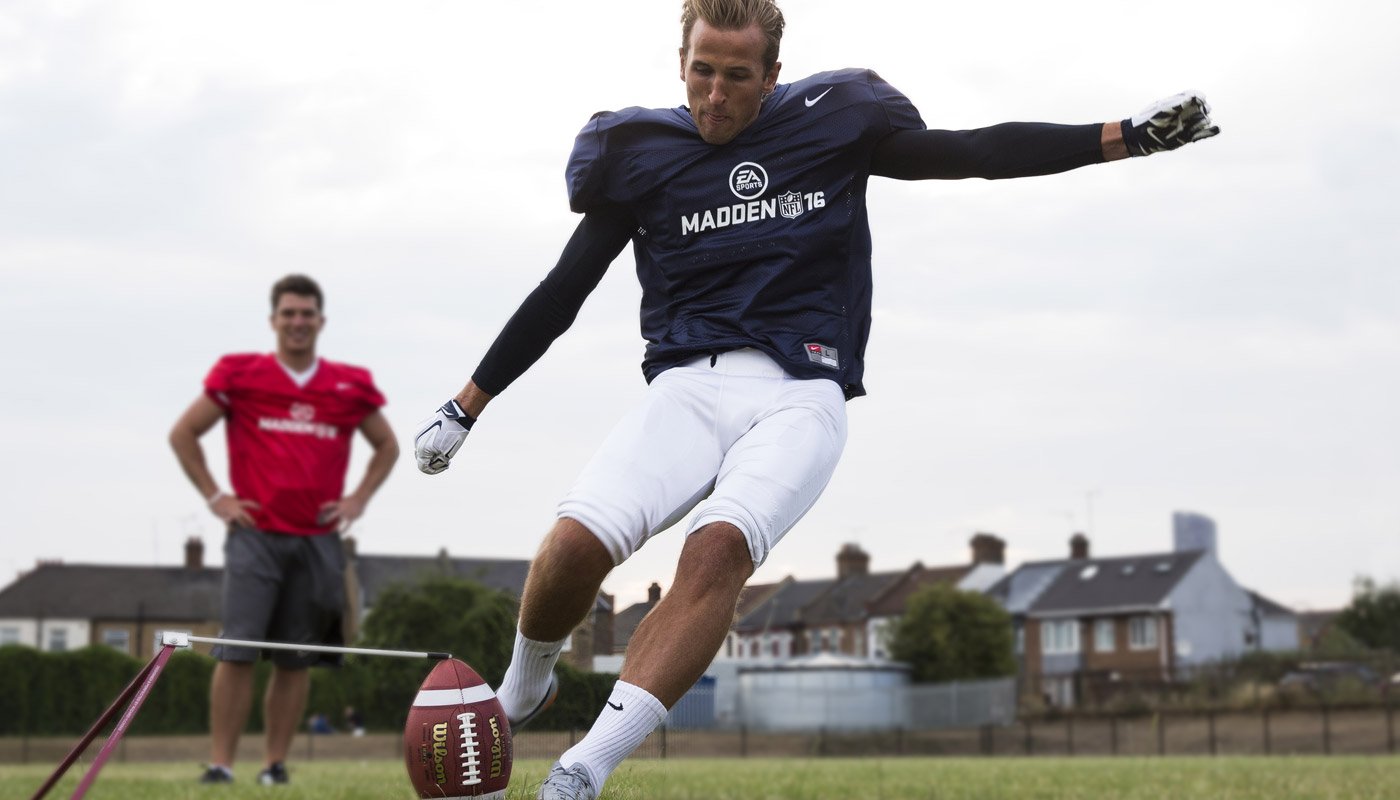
(1215, 330)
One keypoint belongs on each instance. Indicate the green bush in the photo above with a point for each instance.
(18, 666)
(58, 693)
(581, 697)
(950, 635)
(474, 623)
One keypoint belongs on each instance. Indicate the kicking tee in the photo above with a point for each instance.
(762, 242)
(289, 444)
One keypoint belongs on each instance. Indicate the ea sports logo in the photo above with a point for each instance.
(748, 181)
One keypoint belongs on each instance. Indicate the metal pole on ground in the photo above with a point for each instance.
(124, 722)
(184, 640)
(135, 693)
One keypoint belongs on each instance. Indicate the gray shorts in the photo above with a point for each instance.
(281, 588)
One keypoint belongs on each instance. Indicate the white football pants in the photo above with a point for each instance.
(739, 441)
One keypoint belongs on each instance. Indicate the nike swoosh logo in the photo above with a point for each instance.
(614, 706)
(810, 101)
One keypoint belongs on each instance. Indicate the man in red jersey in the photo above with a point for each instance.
(290, 417)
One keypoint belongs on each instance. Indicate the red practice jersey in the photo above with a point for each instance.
(289, 445)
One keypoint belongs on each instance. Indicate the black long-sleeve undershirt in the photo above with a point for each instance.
(551, 308)
(1009, 150)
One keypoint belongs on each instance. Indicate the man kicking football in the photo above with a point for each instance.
(746, 211)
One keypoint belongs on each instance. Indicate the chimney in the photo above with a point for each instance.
(194, 553)
(1192, 531)
(988, 548)
(852, 561)
(1078, 547)
(654, 593)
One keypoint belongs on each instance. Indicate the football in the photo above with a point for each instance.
(456, 742)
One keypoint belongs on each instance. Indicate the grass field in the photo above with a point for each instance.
(1295, 778)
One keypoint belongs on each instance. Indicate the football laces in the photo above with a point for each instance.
(471, 762)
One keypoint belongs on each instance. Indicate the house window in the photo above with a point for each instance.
(1020, 639)
(1059, 692)
(58, 640)
(117, 639)
(1103, 636)
(9, 634)
(1142, 633)
(878, 640)
(729, 647)
(1059, 636)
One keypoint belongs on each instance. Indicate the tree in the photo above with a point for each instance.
(474, 623)
(946, 634)
(1373, 617)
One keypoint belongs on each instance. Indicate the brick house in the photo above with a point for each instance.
(846, 614)
(1087, 627)
(57, 607)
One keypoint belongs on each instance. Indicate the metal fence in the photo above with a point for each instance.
(961, 704)
(1252, 685)
(1324, 731)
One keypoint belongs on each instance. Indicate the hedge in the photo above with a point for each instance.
(57, 694)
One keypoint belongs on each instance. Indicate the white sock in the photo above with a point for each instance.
(631, 714)
(527, 677)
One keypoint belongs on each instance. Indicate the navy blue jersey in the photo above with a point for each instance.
(761, 242)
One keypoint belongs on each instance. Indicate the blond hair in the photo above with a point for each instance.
(736, 15)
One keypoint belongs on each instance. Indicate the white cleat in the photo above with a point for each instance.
(567, 784)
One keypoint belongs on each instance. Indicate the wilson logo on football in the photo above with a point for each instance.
(748, 181)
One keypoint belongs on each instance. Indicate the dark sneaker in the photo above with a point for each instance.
(550, 695)
(216, 774)
(273, 775)
(567, 784)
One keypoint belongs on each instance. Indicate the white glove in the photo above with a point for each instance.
(440, 436)
(1169, 124)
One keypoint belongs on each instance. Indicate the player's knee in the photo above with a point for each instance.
(716, 556)
(573, 547)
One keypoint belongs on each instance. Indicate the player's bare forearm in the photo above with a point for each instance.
(386, 452)
(202, 415)
(1112, 141)
(191, 458)
(473, 399)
